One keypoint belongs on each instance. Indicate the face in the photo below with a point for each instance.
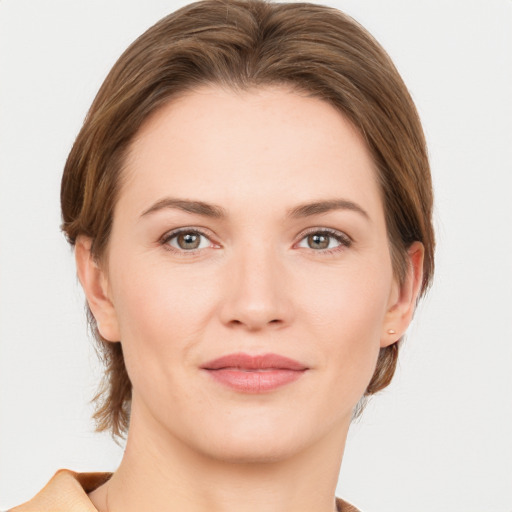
(248, 273)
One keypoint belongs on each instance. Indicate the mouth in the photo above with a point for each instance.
(254, 374)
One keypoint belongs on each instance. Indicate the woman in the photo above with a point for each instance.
(250, 204)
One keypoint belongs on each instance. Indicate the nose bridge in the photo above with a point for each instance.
(256, 293)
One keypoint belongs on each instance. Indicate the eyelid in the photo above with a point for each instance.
(324, 229)
(164, 239)
(344, 239)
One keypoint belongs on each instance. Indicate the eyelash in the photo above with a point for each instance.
(164, 241)
(344, 241)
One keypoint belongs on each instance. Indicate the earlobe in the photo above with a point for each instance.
(95, 285)
(401, 308)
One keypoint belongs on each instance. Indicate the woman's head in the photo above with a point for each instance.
(241, 48)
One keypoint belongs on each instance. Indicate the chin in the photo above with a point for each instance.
(263, 442)
(253, 451)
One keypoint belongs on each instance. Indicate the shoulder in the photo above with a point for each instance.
(343, 506)
(65, 492)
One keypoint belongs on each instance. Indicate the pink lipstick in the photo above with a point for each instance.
(254, 374)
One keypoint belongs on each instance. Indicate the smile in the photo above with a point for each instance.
(254, 374)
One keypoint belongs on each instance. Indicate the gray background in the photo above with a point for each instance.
(440, 438)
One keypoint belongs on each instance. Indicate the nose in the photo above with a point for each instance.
(256, 294)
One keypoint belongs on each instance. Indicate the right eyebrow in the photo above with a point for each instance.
(197, 207)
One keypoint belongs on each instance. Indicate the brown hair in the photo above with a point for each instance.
(242, 44)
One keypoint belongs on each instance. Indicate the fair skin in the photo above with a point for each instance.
(258, 273)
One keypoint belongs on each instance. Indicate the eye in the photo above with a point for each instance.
(325, 240)
(186, 240)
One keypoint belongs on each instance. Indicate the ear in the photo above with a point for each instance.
(403, 297)
(95, 284)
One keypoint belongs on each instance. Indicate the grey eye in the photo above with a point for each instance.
(323, 240)
(188, 241)
(318, 241)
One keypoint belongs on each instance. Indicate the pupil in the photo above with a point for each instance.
(188, 241)
(318, 241)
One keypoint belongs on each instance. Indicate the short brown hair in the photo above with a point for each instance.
(243, 44)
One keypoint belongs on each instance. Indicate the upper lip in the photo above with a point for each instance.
(254, 362)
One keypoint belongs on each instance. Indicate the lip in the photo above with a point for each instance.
(254, 373)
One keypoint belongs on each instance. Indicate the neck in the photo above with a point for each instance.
(159, 472)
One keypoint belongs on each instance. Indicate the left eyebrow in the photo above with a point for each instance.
(319, 207)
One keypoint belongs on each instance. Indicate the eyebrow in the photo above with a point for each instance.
(197, 207)
(319, 207)
(215, 211)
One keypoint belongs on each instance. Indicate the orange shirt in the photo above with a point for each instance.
(67, 492)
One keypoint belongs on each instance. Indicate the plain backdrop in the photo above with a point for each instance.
(440, 437)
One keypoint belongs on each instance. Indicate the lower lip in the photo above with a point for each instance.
(255, 381)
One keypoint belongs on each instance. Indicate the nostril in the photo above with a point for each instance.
(254, 325)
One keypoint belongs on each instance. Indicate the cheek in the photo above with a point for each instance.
(351, 301)
(161, 311)
(345, 319)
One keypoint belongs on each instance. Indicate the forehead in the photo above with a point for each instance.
(229, 145)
